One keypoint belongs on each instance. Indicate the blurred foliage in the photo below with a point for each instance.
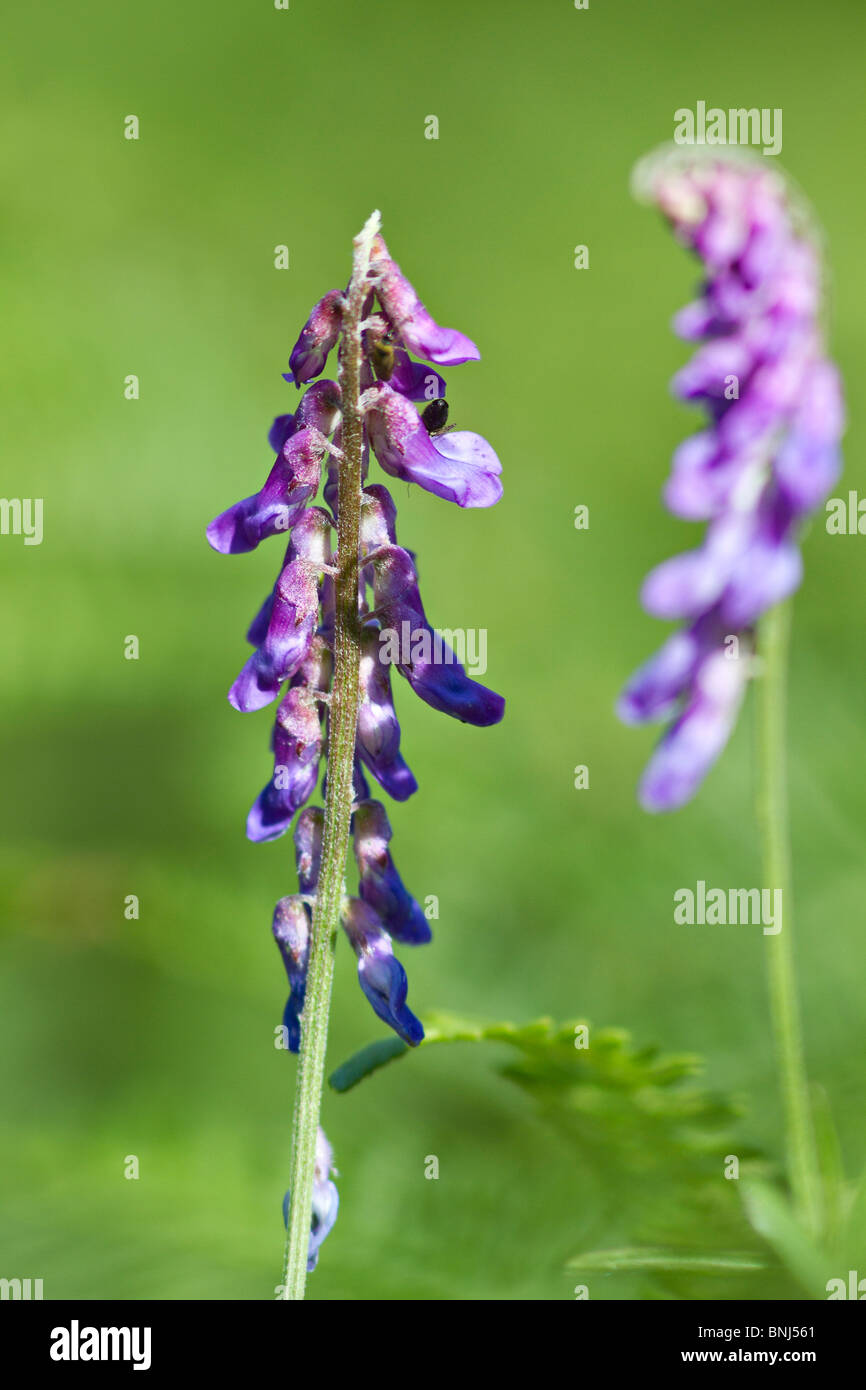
(667, 1152)
(660, 1145)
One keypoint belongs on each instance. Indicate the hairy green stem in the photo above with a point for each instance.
(338, 804)
(803, 1172)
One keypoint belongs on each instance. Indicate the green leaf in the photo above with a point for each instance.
(639, 1258)
(438, 1028)
(648, 1141)
(365, 1062)
(772, 1217)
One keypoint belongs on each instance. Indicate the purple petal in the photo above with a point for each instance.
(308, 847)
(292, 481)
(409, 318)
(280, 431)
(291, 929)
(320, 407)
(297, 749)
(272, 811)
(446, 687)
(655, 688)
(768, 572)
(693, 743)
(415, 380)
(460, 467)
(286, 644)
(381, 887)
(686, 585)
(380, 974)
(378, 728)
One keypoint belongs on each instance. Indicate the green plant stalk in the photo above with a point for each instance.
(338, 804)
(802, 1160)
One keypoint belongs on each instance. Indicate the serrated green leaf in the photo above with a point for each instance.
(648, 1137)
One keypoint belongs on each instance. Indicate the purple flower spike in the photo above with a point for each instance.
(410, 321)
(318, 336)
(291, 930)
(292, 481)
(380, 974)
(323, 644)
(767, 457)
(326, 1200)
(297, 749)
(459, 467)
(381, 887)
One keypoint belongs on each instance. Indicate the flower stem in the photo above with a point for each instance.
(802, 1160)
(343, 718)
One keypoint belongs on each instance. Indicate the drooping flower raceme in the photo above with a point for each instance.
(768, 455)
(295, 633)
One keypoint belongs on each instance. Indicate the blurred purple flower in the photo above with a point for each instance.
(769, 455)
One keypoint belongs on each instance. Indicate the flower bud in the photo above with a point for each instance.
(318, 336)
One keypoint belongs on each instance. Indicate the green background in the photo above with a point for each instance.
(154, 1037)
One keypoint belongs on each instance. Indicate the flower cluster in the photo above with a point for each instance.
(767, 457)
(293, 634)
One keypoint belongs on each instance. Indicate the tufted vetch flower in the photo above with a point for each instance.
(767, 456)
(377, 406)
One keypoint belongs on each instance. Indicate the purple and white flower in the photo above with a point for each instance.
(768, 455)
(293, 634)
